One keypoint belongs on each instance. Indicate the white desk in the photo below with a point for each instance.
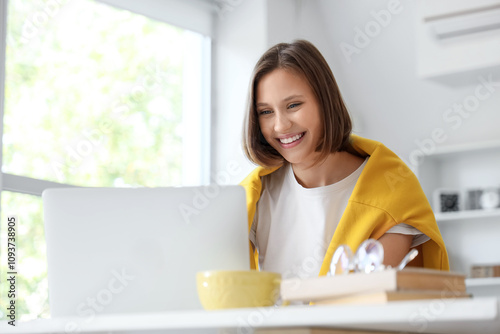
(479, 315)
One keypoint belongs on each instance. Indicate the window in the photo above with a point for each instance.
(94, 96)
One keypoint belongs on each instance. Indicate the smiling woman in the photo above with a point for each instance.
(318, 186)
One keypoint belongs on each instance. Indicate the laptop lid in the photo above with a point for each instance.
(122, 250)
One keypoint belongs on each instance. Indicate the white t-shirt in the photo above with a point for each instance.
(293, 225)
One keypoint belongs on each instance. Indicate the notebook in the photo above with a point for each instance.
(124, 250)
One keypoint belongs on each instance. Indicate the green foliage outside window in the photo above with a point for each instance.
(93, 97)
(32, 285)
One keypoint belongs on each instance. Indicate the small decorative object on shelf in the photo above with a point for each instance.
(485, 270)
(483, 198)
(447, 200)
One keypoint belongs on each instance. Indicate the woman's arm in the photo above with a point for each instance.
(396, 246)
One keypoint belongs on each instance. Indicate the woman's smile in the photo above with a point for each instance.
(291, 141)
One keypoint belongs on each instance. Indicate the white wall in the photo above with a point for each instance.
(240, 39)
(380, 85)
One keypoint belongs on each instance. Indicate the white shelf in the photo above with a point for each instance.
(465, 148)
(446, 217)
(469, 235)
(486, 282)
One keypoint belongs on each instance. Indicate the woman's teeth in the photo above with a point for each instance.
(291, 139)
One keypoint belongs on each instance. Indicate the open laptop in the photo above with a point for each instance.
(116, 250)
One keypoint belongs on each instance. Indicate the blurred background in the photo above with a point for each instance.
(124, 93)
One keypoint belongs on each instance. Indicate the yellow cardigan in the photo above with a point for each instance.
(387, 193)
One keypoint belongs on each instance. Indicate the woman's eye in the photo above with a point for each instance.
(265, 112)
(294, 105)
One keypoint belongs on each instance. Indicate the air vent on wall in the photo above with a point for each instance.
(465, 22)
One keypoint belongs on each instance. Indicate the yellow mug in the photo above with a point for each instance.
(236, 289)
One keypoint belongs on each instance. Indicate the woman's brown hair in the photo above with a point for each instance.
(303, 58)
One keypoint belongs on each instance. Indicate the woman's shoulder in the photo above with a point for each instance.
(255, 176)
(365, 146)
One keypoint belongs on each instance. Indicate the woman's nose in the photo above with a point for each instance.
(282, 122)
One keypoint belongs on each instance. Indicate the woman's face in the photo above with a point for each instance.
(288, 114)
